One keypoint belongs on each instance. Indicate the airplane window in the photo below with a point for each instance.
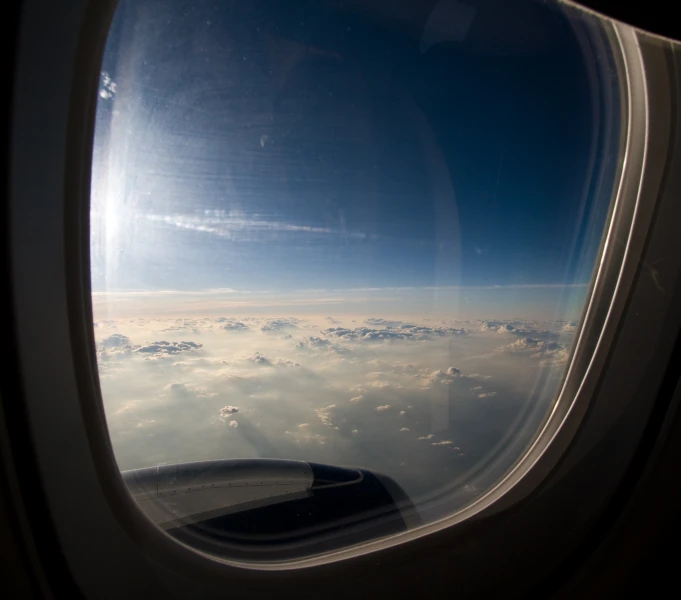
(341, 254)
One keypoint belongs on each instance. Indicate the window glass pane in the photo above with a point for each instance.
(355, 234)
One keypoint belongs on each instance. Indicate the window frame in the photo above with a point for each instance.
(72, 448)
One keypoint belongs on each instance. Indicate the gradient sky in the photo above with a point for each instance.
(282, 147)
(357, 233)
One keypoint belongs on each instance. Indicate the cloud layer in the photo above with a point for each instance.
(425, 403)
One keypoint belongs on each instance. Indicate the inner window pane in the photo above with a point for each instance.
(347, 233)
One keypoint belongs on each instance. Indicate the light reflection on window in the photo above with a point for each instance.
(343, 236)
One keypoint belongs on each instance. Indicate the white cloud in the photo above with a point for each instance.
(516, 328)
(549, 352)
(442, 443)
(430, 436)
(259, 359)
(357, 399)
(382, 408)
(237, 225)
(317, 343)
(282, 362)
(404, 332)
(279, 324)
(487, 395)
(163, 347)
(116, 340)
(235, 326)
(405, 428)
(325, 415)
(378, 322)
(108, 88)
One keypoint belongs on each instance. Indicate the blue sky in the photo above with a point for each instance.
(271, 149)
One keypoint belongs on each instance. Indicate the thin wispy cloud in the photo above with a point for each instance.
(237, 226)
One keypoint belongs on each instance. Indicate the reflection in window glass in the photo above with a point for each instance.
(347, 233)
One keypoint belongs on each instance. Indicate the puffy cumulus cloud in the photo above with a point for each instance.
(314, 343)
(506, 328)
(163, 347)
(378, 322)
(404, 332)
(116, 340)
(395, 407)
(570, 327)
(119, 346)
(325, 414)
(549, 352)
(535, 329)
(443, 377)
(235, 326)
(279, 324)
(283, 362)
(526, 344)
(259, 359)
(498, 326)
(108, 86)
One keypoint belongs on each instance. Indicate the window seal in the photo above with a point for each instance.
(623, 243)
